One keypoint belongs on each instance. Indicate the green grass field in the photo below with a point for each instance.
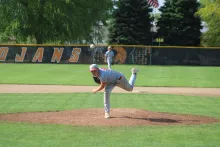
(35, 135)
(161, 103)
(180, 76)
(25, 134)
(39, 135)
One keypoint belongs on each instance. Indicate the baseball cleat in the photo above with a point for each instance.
(134, 71)
(107, 115)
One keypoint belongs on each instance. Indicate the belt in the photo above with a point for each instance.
(118, 80)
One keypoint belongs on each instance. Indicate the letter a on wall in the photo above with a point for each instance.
(38, 55)
(3, 53)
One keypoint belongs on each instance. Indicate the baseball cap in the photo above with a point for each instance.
(93, 67)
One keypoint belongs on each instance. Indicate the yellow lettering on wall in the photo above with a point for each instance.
(20, 58)
(75, 55)
(3, 53)
(38, 55)
(57, 54)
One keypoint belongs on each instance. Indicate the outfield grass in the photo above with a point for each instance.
(75, 74)
(35, 135)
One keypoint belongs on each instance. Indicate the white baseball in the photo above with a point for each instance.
(92, 46)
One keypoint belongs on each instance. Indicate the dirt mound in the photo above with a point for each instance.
(119, 117)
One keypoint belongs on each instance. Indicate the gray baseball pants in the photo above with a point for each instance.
(123, 83)
(109, 62)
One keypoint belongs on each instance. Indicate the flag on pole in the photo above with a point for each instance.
(153, 3)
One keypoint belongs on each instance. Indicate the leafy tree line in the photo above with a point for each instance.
(210, 13)
(50, 20)
(177, 24)
(129, 21)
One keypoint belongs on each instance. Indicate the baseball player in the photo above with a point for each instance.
(108, 79)
(109, 55)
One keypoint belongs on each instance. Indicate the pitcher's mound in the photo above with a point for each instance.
(119, 117)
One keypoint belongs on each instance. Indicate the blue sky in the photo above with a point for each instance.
(161, 2)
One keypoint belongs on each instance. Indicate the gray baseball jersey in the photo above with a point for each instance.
(109, 76)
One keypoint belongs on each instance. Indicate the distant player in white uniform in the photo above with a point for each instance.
(108, 80)
(109, 55)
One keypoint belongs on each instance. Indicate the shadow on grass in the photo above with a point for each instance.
(159, 120)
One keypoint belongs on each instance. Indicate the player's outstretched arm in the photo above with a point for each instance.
(102, 85)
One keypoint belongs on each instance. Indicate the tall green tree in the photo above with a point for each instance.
(50, 20)
(210, 13)
(131, 23)
(178, 24)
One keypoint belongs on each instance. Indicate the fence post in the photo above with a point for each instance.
(150, 51)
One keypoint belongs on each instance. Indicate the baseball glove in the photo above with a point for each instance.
(97, 80)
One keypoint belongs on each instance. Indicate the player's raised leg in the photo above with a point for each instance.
(133, 77)
(128, 86)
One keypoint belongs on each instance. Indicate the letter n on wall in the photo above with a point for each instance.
(57, 54)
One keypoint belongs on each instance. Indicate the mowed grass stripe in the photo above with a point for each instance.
(10, 103)
(78, 74)
(22, 134)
